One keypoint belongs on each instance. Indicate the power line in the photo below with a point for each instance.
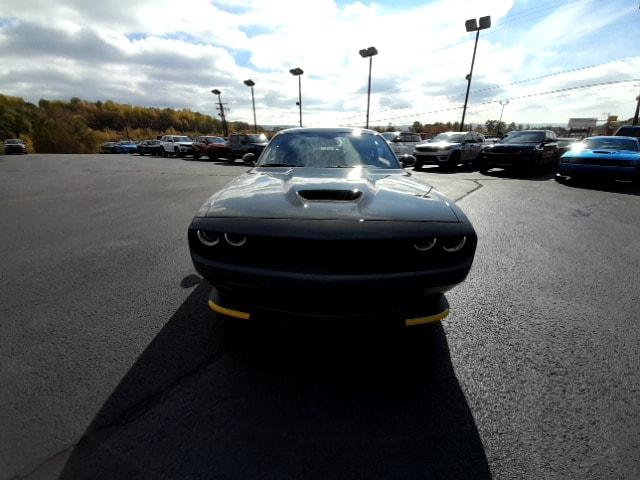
(530, 95)
(482, 90)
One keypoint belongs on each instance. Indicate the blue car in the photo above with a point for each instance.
(613, 157)
(125, 146)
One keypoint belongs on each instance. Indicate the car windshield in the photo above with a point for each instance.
(523, 137)
(182, 139)
(126, 142)
(610, 143)
(329, 150)
(214, 140)
(389, 136)
(449, 137)
(13, 141)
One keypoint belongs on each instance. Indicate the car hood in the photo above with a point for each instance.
(441, 144)
(603, 154)
(184, 143)
(512, 146)
(329, 194)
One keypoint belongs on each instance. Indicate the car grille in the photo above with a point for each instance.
(428, 149)
(333, 256)
(602, 162)
(505, 150)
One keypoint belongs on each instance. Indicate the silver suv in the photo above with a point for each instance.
(449, 149)
(404, 143)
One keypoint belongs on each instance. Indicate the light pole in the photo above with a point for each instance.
(368, 53)
(297, 72)
(251, 83)
(503, 103)
(217, 92)
(635, 117)
(472, 26)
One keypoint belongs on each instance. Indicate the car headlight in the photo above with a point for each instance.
(424, 245)
(454, 244)
(208, 239)
(235, 240)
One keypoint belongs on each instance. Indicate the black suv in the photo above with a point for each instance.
(241, 143)
(628, 131)
(530, 150)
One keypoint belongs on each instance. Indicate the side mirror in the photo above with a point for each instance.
(407, 160)
(249, 158)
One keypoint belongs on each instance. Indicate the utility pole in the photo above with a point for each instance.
(220, 106)
(503, 103)
(635, 117)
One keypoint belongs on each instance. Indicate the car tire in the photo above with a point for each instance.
(534, 167)
(164, 153)
(418, 166)
(196, 156)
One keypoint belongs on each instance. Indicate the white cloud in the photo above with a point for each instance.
(167, 53)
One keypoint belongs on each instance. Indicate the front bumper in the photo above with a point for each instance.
(506, 159)
(14, 149)
(418, 311)
(613, 171)
(432, 158)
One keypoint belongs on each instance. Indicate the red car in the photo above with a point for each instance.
(212, 147)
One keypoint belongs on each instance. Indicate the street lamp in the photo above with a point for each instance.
(217, 92)
(251, 83)
(472, 26)
(297, 72)
(503, 103)
(368, 53)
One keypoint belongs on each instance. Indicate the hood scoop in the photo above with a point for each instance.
(330, 195)
(602, 152)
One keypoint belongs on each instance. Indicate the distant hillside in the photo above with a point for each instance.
(78, 126)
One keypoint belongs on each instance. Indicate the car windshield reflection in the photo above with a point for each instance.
(329, 150)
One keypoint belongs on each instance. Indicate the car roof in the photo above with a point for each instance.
(327, 130)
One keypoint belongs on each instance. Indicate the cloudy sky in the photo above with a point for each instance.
(172, 53)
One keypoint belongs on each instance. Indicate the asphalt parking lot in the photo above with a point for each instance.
(111, 365)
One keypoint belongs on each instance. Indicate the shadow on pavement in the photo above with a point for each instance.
(210, 399)
(605, 185)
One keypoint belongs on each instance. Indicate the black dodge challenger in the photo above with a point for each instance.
(327, 224)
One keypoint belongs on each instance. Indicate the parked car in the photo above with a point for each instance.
(124, 146)
(107, 147)
(178, 145)
(389, 136)
(565, 144)
(295, 235)
(14, 145)
(149, 147)
(211, 147)
(628, 131)
(612, 156)
(239, 144)
(529, 150)
(449, 149)
(404, 143)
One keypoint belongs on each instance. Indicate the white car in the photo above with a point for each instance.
(177, 145)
